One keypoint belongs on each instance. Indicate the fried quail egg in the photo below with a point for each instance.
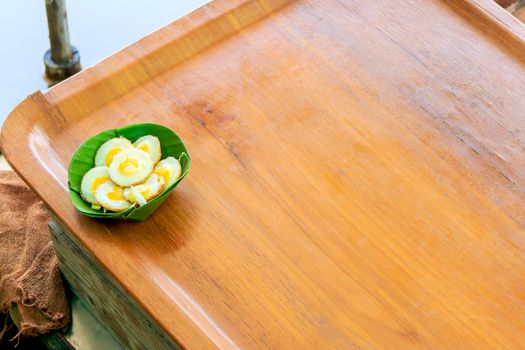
(150, 145)
(144, 192)
(130, 167)
(110, 196)
(110, 149)
(91, 181)
(169, 169)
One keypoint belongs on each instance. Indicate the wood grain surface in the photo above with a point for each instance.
(357, 175)
(520, 14)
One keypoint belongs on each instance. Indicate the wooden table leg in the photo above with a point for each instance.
(126, 320)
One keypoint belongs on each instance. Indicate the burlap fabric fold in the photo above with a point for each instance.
(31, 290)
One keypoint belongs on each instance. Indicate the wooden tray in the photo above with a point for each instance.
(357, 174)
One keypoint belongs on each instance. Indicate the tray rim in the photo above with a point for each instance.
(207, 26)
(59, 96)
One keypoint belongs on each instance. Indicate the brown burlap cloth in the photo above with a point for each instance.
(31, 290)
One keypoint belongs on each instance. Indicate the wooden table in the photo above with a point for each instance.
(357, 180)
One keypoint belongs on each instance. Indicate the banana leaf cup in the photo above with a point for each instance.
(84, 159)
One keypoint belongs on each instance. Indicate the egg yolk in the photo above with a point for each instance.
(97, 182)
(115, 194)
(129, 166)
(144, 191)
(165, 173)
(144, 147)
(112, 152)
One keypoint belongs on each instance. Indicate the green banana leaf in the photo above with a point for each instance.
(84, 159)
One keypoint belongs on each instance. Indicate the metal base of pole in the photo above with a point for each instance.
(60, 71)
